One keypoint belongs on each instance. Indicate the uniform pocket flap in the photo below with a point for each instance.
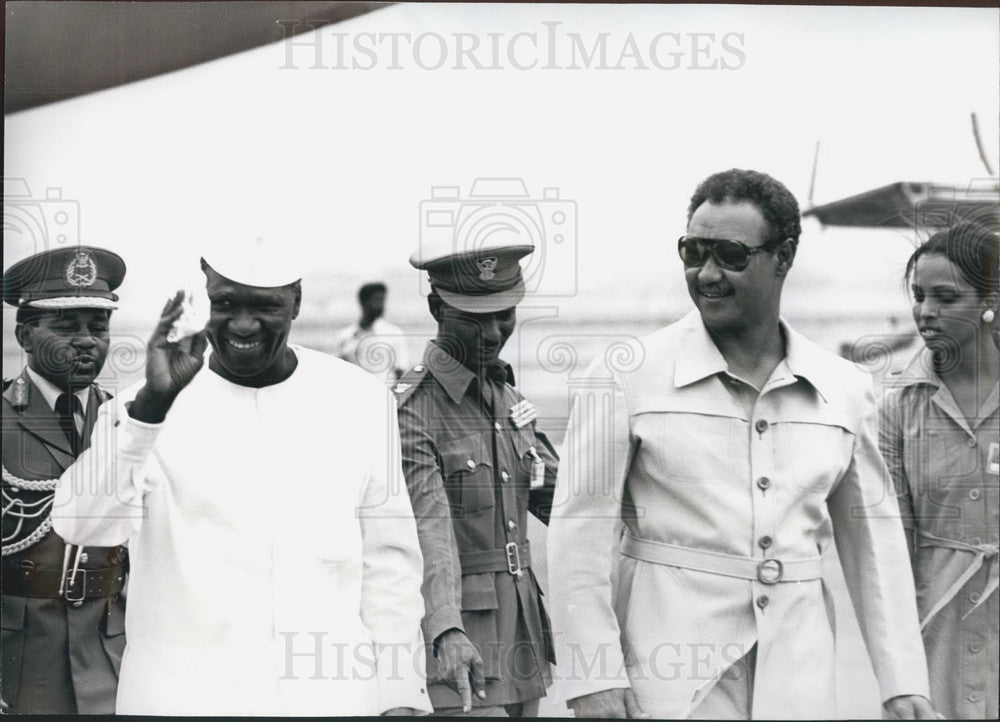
(465, 454)
(12, 612)
(478, 593)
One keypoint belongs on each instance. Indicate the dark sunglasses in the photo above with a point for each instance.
(730, 255)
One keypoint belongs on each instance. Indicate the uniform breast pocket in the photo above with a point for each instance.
(467, 468)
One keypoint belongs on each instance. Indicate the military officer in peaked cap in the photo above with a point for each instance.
(475, 464)
(63, 613)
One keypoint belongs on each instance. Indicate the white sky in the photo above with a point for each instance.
(336, 162)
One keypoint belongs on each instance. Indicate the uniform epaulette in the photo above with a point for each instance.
(408, 383)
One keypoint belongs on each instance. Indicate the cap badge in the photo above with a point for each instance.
(486, 266)
(81, 271)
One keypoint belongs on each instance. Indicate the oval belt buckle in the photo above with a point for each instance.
(770, 571)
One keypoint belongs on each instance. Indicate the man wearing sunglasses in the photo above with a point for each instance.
(699, 489)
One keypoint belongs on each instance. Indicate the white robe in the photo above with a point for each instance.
(272, 543)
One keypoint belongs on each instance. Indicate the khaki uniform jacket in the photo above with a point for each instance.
(468, 470)
(57, 657)
(675, 451)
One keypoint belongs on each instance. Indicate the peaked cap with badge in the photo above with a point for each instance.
(62, 278)
(484, 279)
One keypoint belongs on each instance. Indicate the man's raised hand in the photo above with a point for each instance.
(169, 366)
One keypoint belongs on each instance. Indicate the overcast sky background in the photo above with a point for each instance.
(336, 162)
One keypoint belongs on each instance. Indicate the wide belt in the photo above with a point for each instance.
(513, 559)
(87, 584)
(982, 554)
(766, 571)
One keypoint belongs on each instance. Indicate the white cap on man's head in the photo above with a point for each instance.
(256, 261)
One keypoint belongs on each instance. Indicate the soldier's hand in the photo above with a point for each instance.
(613, 703)
(459, 663)
(169, 366)
(911, 706)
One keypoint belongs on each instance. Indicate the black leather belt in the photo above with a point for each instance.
(513, 559)
(89, 583)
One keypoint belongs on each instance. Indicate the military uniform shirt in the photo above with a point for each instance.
(468, 467)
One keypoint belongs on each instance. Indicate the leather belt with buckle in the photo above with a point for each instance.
(514, 558)
(88, 583)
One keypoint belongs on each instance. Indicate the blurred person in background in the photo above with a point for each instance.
(63, 612)
(939, 435)
(373, 343)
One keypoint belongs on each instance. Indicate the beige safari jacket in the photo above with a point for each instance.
(668, 448)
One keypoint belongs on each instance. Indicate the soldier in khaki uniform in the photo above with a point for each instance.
(475, 464)
(63, 613)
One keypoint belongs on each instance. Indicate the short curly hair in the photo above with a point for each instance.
(775, 201)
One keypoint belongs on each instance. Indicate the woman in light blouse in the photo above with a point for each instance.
(939, 435)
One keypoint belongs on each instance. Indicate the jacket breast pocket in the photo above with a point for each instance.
(479, 617)
(467, 469)
(816, 447)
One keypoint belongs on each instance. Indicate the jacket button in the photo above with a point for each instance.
(974, 597)
(763, 483)
(497, 426)
(471, 464)
(761, 426)
(84, 558)
(511, 525)
(975, 647)
(765, 542)
(505, 476)
(974, 494)
(763, 601)
(972, 442)
(418, 368)
(974, 697)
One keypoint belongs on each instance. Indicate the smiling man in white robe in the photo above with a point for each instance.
(275, 562)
